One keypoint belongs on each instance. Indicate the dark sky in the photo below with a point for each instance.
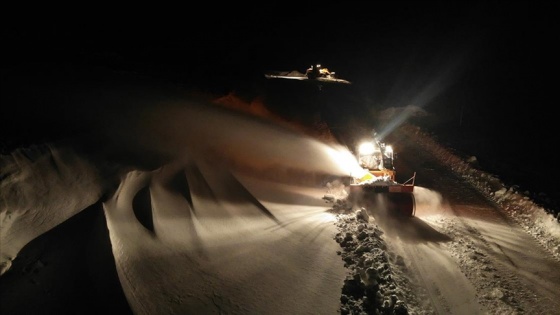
(378, 44)
(393, 49)
(492, 64)
(478, 56)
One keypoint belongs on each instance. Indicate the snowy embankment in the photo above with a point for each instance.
(376, 283)
(536, 220)
(41, 187)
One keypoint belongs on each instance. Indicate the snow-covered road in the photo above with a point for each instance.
(464, 252)
(194, 236)
(230, 247)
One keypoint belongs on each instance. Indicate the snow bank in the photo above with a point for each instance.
(536, 220)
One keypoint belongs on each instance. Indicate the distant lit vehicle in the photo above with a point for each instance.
(315, 72)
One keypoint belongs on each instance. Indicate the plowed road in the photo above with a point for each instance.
(466, 255)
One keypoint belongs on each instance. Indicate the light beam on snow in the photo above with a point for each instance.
(199, 256)
(179, 130)
(214, 246)
(347, 161)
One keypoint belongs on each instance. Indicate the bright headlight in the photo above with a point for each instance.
(366, 148)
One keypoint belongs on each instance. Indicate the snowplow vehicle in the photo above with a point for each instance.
(376, 188)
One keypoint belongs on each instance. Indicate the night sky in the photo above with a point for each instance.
(485, 69)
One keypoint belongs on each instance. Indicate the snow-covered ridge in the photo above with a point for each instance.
(41, 187)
